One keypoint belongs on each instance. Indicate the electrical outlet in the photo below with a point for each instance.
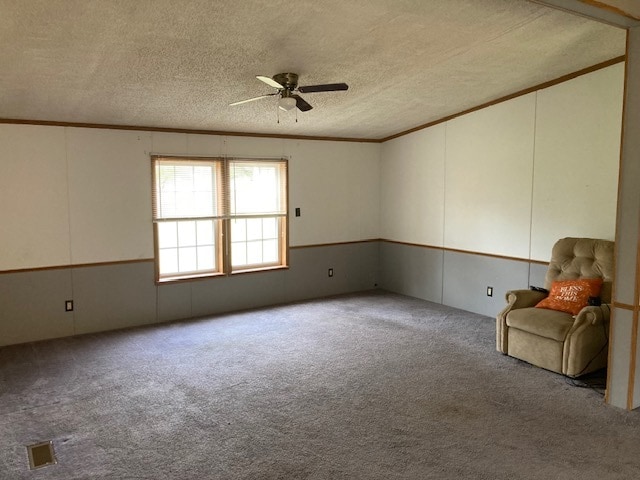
(331, 272)
(297, 211)
(489, 291)
(68, 306)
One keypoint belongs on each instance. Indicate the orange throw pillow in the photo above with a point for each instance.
(571, 296)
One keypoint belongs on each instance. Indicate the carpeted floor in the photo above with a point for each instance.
(364, 386)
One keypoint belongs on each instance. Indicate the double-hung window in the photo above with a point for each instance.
(217, 216)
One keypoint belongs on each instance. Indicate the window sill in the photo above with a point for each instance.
(205, 276)
(261, 269)
(187, 278)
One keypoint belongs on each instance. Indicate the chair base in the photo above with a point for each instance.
(542, 352)
(549, 354)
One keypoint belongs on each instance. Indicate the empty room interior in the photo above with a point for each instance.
(270, 239)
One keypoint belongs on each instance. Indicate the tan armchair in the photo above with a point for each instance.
(558, 341)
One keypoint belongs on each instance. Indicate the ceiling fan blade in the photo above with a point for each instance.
(302, 105)
(329, 87)
(252, 99)
(269, 81)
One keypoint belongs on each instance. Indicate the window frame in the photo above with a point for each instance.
(222, 234)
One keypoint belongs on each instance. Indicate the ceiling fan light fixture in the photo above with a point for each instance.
(287, 103)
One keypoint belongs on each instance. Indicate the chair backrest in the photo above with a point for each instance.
(574, 258)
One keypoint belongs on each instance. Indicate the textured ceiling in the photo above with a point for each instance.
(178, 64)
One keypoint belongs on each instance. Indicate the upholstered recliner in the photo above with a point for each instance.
(555, 340)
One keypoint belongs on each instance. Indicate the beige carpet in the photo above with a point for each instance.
(366, 386)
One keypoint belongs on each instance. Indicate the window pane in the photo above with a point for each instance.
(167, 207)
(206, 258)
(184, 178)
(203, 179)
(238, 230)
(255, 188)
(262, 244)
(203, 204)
(185, 204)
(168, 262)
(238, 254)
(166, 178)
(187, 234)
(187, 259)
(270, 251)
(204, 230)
(167, 234)
(186, 190)
(270, 228)
(254, 253)
(254, 229)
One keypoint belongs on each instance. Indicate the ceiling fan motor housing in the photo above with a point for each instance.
(288, 80)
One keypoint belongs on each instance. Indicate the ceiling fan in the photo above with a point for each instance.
(287, 85)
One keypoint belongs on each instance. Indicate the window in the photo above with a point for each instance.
(216, 216)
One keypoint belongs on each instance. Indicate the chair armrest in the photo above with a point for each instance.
(585, 345)
(515, 299)
(523, 298)
(594, 315)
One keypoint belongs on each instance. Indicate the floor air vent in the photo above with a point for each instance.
(41, 455)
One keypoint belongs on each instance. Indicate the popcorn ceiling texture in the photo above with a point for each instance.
(162, 63)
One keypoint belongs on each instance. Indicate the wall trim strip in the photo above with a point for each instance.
(300, 247)
(76, 265)
(140, 128)
(622, 306)
(611, 8)
(470, 252)
(145, 260)
(591, 9)
(334, 244)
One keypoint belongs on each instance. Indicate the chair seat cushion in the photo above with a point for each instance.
(541, 321)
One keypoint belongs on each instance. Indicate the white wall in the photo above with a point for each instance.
(577, 150)
(510, 179)
(72, 196)
(506, 180)
(336, 185)
(412, 188)
(109, 181)
(34, 214)
(489, 157)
